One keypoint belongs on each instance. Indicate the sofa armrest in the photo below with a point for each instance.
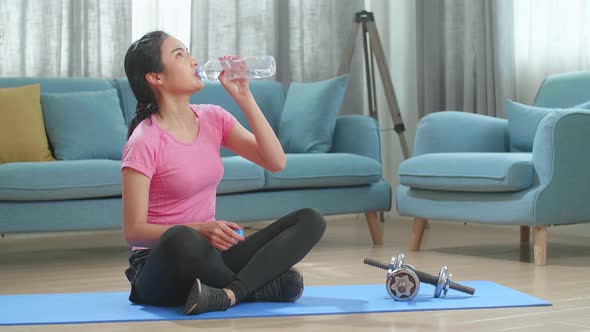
(452, 131)
(357, 134)
(561, 160)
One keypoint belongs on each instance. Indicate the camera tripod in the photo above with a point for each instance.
(372, 43)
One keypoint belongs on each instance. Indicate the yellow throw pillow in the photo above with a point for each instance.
(22, 131)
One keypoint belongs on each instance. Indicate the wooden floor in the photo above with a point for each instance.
(96, 261)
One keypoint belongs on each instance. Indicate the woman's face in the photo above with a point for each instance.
(179, 75)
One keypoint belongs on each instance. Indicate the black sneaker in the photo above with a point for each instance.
(203, 298)
(287, 287)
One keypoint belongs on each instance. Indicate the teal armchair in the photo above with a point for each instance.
(473, 168)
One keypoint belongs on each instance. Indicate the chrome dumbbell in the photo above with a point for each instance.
(401, 282)
(442, 283)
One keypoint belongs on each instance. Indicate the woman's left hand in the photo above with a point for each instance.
(237, 88)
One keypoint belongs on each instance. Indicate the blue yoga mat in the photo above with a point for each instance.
(103, 307)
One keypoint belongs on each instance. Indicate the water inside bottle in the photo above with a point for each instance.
(210, 74)
(213, 74)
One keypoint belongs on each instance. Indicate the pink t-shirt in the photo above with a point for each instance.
(184, 175)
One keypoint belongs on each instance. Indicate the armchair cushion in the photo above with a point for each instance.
(471, 172)
(523, 121)
(446, 132)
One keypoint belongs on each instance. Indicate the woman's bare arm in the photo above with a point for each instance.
(139, 233)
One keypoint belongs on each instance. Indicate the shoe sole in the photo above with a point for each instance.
(193, 297)
(302, 286)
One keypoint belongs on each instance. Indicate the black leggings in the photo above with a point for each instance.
(163, 275)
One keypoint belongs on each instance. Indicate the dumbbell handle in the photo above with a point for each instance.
(424, 277)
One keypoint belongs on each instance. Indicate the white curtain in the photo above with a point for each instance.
(64, 38)
(550, 36)
(174, 17)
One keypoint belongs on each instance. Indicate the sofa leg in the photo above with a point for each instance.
(525, 232)
(374, 227)
(540, 245)
(417, 233)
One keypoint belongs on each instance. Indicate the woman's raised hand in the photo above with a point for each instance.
(237, 88)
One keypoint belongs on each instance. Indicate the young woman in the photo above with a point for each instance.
(171, 167)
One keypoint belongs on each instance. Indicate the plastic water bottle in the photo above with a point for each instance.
(251, 67)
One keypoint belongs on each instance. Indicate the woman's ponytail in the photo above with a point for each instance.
(142, 111)
(142, 57)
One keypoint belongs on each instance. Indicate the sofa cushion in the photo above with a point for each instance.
(59, 180)
(240, 175)
(472, 172)
(309, 115)
(85, 125)
(322, 170)
(22, 132)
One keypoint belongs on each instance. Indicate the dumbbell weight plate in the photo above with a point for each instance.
(444, 279)
(402, 284)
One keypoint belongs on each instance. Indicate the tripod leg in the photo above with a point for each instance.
(369, 73)
(388, 87)
(373, 99)
(348, 51)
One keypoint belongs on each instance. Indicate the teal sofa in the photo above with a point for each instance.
(473, 168)
(71, 195)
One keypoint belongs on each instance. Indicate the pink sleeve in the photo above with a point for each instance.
(139, 155)
(226, 122)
